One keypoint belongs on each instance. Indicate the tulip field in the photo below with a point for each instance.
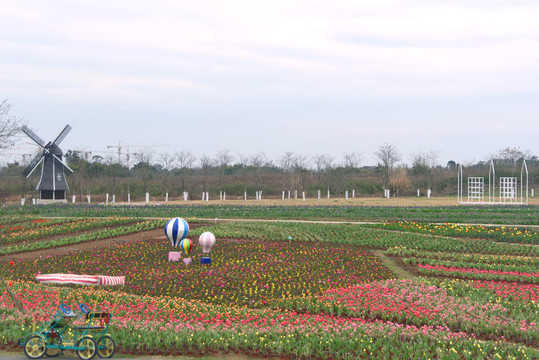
(285, 290)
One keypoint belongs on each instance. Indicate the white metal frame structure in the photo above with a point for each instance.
(508, 192)
(476, 189)
(508, 189)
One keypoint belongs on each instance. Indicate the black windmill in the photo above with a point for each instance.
(52, 184)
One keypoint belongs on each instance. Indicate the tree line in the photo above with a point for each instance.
(237, 175)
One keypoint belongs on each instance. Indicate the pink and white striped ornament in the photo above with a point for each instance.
(206, 240)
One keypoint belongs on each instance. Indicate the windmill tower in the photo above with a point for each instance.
(52, 185)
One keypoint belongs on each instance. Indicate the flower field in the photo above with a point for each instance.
(497, 233)
(322, 294)
(38, 234)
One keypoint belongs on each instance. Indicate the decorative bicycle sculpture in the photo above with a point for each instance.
(61, 334)
(83, 331)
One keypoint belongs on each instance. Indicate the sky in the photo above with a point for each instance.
(457, 78)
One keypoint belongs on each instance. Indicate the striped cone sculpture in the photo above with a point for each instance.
(206, 240)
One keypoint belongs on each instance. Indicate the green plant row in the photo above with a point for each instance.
(478, 276)
(500, 234)
(98, 235)
(524, 214)
(402, 251)
(471, 265)
(367, 237)
(22, 223)
(61, 228)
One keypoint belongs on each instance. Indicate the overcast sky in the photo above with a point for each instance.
(312, 77)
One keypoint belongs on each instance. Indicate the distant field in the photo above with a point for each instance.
(365, 201)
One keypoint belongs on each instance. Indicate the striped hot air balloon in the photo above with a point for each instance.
(206, 240)
(186, 245)
(176, 230)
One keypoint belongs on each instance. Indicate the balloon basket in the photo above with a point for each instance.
(205, 260)
(186, 261)
(174, 256)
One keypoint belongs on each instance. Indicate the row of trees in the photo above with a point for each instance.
(183, 171)
(161, 173)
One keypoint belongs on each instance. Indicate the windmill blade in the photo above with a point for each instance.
(62, 135)
(33, 165)
(32, 135)
(63, 163)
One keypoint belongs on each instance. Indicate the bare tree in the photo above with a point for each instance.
(301, 168)
(9, 124)
(425, 163)
(205, 163)
(324, 168)
(258, 162)
(223, 160)
(244, 162)
(388, 157)
(286, 163)
(144, 165)
(513, 154)
(166, 162)
(399, 181)
(146, 156)
(352, 160)
(185, 161)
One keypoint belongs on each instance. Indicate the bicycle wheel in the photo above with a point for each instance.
(35, 347)
(88, 346)
(106, 347)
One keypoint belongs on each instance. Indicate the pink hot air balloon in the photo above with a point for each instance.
(206, 240)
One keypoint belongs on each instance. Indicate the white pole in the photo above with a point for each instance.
(22, 201)
(428, 193)
(185, 195)
(288, 194)
(207, 196)
(346, 194)
(128, 197)
(221, 195)
(533, 195)
(166, 197)
(147, 197)
(107, 198)
(318, 194)
(203, 195)
(260, 196)
(74, 199)
(113, 198)
(353, 193)
(283, 194)
(303, 195)
(34, 200)
(328, 193)
(88, 196)
(245, 195)
(295, 194)
(224, 195)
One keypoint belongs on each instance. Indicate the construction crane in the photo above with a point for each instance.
(120, 146)
(19, 154)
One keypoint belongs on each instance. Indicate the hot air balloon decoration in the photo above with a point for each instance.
(186, 245)
(176, 230)
(206, 240)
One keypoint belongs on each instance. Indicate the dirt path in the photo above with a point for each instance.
(399, 272)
